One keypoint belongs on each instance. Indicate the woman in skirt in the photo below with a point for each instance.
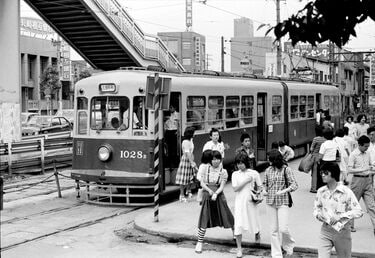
(215, 211)
(187, 167)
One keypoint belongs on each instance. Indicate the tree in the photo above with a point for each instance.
(323, 20)
(50, 83)
(84, 74)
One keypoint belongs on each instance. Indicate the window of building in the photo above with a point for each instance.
(232, 106)
(276, 108)
(215, 111)
(196, 113)
(31, 69)
(321, 75)
(293, 107)
(186, 61)
(247, 109)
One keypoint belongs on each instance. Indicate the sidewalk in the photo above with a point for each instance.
(180, 220)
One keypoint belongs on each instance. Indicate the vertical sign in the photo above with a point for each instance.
(198, 52)
(372, 70)
(189, 14)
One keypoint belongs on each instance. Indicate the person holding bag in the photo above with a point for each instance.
(246, 212)
(214, 211)
(278, 182)
(203, 169)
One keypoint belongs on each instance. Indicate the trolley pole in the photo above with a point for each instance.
(156, 148)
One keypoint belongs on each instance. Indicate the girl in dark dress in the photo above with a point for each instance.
(215, 211)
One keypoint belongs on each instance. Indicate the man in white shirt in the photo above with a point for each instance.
(361, 166)
(335, 205)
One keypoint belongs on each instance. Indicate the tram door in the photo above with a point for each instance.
(261, 126)
(172, 138)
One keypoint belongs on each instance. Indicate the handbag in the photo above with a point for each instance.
(199, 194)
(256, 194)
(306, 163)
(290, 200)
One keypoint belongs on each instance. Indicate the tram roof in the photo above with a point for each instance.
(202, 80)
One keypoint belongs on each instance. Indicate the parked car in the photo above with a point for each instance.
(46, 124)
(26, 116)
(67, 113)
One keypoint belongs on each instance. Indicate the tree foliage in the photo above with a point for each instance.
(323, 20)
(49, 80)
(84, 74)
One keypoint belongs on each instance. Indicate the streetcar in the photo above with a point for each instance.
(113, 140)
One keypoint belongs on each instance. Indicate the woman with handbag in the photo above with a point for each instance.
(316, 179)
(214, 211)
(246, 213)
(278, 182)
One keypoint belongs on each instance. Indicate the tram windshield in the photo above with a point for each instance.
(110, 113)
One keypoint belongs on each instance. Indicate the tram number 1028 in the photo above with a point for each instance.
(126, 154)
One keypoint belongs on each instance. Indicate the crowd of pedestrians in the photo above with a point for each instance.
(342, 173)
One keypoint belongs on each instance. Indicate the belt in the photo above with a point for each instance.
(361, 175)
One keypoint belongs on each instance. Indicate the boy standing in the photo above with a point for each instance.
(335, 205)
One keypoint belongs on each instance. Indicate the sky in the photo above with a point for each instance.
(215, 19)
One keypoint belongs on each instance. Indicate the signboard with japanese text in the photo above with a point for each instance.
(372, 70)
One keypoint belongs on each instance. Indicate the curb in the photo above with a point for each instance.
(212, 240)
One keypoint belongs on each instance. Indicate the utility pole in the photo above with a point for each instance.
(222, 53)
(278, 48)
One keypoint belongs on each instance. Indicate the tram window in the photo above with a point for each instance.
(247, 108)
(302, 106)
(82, 103)
(336, 108)
(195, 115)
(231, 112)
(276, 108)
(327, 102)
(215, 111)
(82, 122)
(140, 116)
(310, 106)
(110, 113)
(293, 107)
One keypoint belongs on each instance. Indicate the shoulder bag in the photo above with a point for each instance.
(290, 200)
(256, 194)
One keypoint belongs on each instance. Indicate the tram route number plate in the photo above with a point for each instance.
(126, 154)
(107, 87)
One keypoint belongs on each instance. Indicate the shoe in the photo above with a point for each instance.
(198, 248)
(354, 230)
(190, 196)
(239, 254)
(257, 237)
(182, 198)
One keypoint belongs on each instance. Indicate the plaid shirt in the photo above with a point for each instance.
(274, 181)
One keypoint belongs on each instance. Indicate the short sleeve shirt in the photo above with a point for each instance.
(328, 150)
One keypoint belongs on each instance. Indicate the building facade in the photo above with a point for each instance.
(188, 47)
(40, 47)
(248, 53)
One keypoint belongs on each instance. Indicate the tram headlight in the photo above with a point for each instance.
(104, 153)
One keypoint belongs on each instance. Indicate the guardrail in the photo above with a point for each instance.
(149, 46)
(35, 154)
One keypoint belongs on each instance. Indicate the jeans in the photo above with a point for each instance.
(280, 235)
(329, 237)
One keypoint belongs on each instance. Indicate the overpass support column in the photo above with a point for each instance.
(10, 67)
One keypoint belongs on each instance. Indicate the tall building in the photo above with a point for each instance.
(188, 47)
(248, 53)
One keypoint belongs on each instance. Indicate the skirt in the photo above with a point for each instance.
(185, 172)
(215, 213)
